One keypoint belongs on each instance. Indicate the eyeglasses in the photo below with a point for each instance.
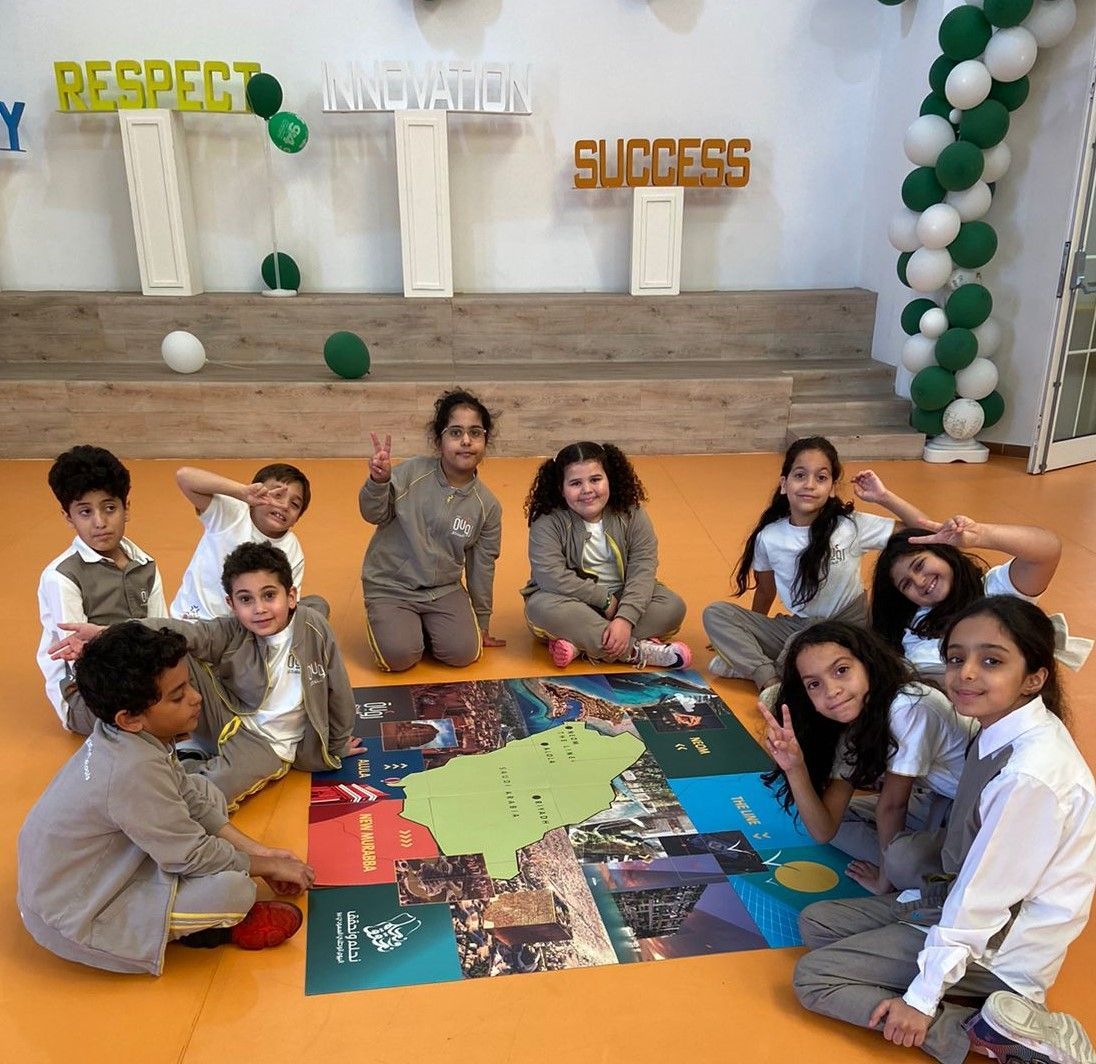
(456, 432)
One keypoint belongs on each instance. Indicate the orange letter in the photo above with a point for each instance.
(710, 153)
(585, 148)
(737, 162)
(644, 176)
(618, 178)
(687, 144)
(667, 145)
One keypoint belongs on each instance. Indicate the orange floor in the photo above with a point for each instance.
(211, 1006)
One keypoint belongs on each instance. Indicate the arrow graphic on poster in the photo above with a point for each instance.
(406, 839)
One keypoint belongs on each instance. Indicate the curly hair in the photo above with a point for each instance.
(86, 468)
(626, 490)
(813, 565)
(120, 670)
(892, 612)
(256, 558)
(284, 473)
(444, 406)
(1030, 629)
(869, 742)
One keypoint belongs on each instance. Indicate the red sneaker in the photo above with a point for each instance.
(268, 923)
(562, 652)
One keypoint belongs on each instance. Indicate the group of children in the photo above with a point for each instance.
(993, 852)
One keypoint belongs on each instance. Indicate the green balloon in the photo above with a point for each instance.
(903, 262)
(975, 245)
(288, 131)
(994, 406)
(933, 388)
(930, 422)
(936, 105)
(346, 354)
(986, 124)
(960, 164)
(912, 314)
(288, 271)
(264, 94)
(921, 189)
(956, 349)
(969, 305)
(941, 67)
(964, 33)
(1004, 13)
(1011, 93)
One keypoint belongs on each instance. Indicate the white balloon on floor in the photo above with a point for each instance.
(968, 84)
(918, 353)
(971, 203)
(1011, 53)
(988, 335)
(183, 351)
(938, 225)
(1051, 21)
(928, 269)
(927, 137)
(977, 380)
(963, 419)
(902, 231)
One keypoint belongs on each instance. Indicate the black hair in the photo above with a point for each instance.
(256, 558)
(813, 565)
(892, 612)
(86, 468)
(1032, 632)
(869, 742)
(284, 473)
(626, 490)
(444, 406)
(120, 669)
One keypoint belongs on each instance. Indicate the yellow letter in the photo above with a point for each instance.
(644, 176)
(710, 152)
(213, 102)
(737, 162)
(184, 87)
(96, 84)
(70, 83)
(667, 145)
(154, 85)
(584, 148)
(247, 69)
(686, 144)
(122, 71)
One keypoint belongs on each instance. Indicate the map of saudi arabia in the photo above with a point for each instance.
(501, 801)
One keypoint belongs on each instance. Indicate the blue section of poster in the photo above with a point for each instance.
(740, 802)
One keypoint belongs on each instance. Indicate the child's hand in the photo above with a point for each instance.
(489, 640)
(380, 465)
(780, 739)
(904, 1026)
(958, 531)
(617, 637)
(288, 875)
(868, 486)
(869, 876)
(261, 495)
(354, 745)
(71, 648)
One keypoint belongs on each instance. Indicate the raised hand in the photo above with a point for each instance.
(957, 531)
(380, 465)
(780, 740)
(261, 495)
(71, 647)
(868, 486)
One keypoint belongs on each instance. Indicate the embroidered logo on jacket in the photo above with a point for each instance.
(462, 527)
(292, 665)
(316, 673)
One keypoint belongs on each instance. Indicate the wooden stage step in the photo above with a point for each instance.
(701, 373)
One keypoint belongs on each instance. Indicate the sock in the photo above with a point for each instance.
(207, 939)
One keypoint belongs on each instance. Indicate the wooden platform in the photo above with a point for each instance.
(702, 373)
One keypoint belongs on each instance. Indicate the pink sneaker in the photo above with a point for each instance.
(661, 655)
(562, 652)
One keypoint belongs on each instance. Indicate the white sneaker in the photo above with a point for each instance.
(662, 655)
(1051, 1035)
(718, 667)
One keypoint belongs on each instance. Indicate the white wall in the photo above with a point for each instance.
(1032, 206)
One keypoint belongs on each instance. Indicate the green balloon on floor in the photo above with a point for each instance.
(264, 94)
(288, 271)
(912, 314)
(969, 305)
(930, 422)
(956, 349)
(346, 354)
(933, 388)
(994, 406)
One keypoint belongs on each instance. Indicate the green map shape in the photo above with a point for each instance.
(498, 802)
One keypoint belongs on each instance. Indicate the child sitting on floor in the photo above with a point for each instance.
(102, 577)
(593, 554)
(125, 851)
(274, 688)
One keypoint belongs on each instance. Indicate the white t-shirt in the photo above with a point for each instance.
(932, 740)
(598, 558)
(924, 654)
(281, 718)
(227, 524)
(779, 545)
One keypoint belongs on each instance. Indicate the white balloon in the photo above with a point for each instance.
(963, 419)
(998, 159)
(933, 323)
(976, 3)
(988, 335)
(928, 269)
(938, 225)
(1051, 21)
(1011, 53)
(977, 380)
(961, 277)
(968, 84)
(954, 115)
(926, 138)
(902, 231)
(183, 351)
(971, 203)
(918, 353)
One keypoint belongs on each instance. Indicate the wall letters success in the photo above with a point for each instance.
(197, 85)
(691, 162)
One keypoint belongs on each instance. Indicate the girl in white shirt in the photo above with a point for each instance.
(1018, 872)
(852, 718)
(806, 547)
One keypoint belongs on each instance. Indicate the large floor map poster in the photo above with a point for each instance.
(500, 827)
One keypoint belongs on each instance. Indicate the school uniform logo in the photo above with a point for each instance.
(292, 665)
(462, 527)
(316, 673)
(144, 597)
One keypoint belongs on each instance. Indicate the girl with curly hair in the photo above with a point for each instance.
(853, 717)
(593, 555)
(806, 547)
